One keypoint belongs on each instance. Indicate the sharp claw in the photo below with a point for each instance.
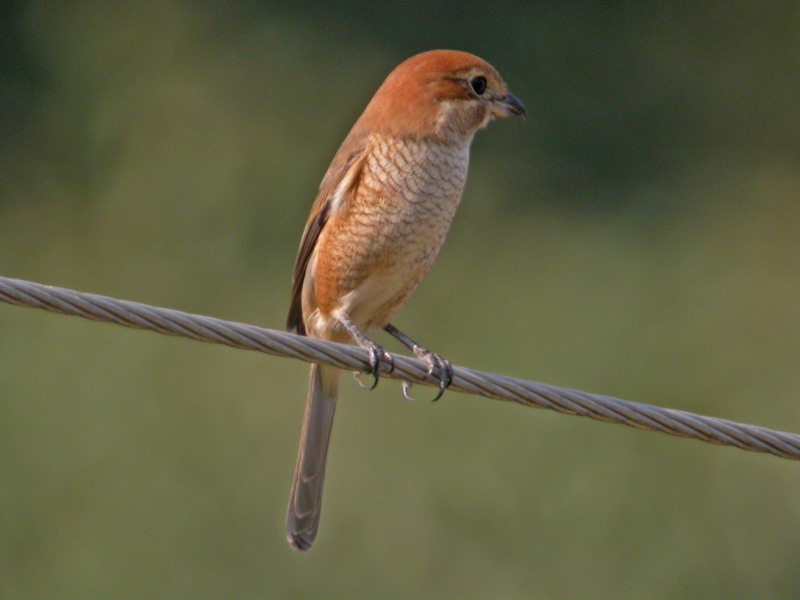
(445, 376)
(440, 394)
(375, 352)
(406, 387)
(375, 379)
(357, 377)
(436, 362)
(376, 356)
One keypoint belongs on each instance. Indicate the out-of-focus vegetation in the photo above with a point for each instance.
(638, 235)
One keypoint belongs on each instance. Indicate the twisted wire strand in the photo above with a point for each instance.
(279, 343)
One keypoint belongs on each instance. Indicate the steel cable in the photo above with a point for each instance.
(279, 343)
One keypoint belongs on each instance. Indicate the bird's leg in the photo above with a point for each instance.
(376, 352)
(435, 362)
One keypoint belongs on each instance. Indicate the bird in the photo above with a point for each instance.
(380, 217)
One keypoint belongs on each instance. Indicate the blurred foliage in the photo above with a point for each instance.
(637, 236)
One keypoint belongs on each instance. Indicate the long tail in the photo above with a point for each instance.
(305, 502)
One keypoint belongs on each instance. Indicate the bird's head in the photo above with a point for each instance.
(442, 94)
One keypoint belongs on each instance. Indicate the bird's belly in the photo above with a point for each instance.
(402, 249)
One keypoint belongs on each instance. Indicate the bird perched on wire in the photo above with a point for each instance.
(380, 218)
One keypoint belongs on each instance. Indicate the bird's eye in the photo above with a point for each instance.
(478, 85)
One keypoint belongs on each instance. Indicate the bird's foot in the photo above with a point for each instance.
(377, 355)
(437, 363)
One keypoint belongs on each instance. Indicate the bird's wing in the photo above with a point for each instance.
(339, 182)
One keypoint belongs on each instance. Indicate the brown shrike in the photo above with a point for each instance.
(379, 220)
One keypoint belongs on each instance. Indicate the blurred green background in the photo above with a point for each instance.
(638, 236)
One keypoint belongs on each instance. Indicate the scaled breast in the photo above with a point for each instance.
(417, 185)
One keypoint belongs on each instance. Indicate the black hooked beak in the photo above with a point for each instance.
(507, 106)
